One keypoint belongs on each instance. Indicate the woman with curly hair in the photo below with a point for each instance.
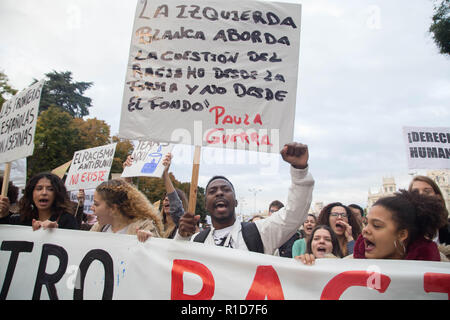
(122, 208)
(344, 224)
(426, 186)
(400, 227)
(174, 203)
(45, 203)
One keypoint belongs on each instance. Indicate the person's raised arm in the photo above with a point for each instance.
(296, 154)
(167, 182)
(281, 225)
(128, 163)
(176, 205)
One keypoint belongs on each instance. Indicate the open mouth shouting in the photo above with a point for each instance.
(369, 246)
(43, 203)
(340, 227)
(321, 251)
(221, 205)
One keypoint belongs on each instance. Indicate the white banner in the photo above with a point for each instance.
(90, 167)
(18, 118)
(213, 73)
(69, 264)
(147, 159)
(427, 148)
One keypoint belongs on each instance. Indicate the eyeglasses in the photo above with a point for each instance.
(335, 214)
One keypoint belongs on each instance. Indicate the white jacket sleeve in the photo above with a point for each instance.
(282, 225)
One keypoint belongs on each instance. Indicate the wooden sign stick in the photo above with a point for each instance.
(194, 180)
(6, 179)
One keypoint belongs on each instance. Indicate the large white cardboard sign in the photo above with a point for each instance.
(427, 147)
(147, 159)
(69, 264)
(90, 167)
(18, 118)
(213, 73)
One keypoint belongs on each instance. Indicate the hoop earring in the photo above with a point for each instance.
(403, 246)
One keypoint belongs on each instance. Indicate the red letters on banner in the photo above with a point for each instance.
(181, 266)
(437, 282)
(266, 283)
(336, 286)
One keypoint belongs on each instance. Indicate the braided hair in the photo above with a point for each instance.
(130, 202)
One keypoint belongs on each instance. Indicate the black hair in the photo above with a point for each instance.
(276, 203)
(219, 177)
(324, 217)
(13, 191)
(355, 206)
(420, 214)
(60, 204)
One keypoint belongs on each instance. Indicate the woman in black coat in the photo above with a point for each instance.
(45, 204)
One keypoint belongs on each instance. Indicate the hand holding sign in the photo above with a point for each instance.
(4, 206)
(166, 163)
(188, 224)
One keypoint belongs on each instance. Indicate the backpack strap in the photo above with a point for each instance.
(201, 236)
(252, 237)
(250, 234)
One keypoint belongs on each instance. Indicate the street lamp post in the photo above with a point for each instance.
(254, 191)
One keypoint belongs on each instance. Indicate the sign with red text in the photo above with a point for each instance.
(18, 118)
(147, 159)
(71, 264)
(213, 73)
(427, 147)
(90, 167)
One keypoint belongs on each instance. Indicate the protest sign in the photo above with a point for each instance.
(147, 159)
(427, 147)
(90, 167)
(213, 73)
(50, 264)
(88, 200)
(18, 118)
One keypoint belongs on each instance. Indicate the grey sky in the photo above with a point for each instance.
(366, 69)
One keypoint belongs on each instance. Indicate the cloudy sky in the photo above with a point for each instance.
(366, 69)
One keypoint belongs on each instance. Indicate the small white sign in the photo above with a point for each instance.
(147, 159)
(427, 147)
(90, 167)
(18, 118)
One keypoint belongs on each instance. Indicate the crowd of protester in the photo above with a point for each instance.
(409, 225)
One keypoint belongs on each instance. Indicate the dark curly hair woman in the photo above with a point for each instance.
(45, 203)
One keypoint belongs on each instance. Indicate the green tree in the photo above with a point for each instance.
(60, 90)
(440, 27)
(93, 132)
(59, 136)
(123, 149)
(6, 91)
(155, 190)
(56, 140)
